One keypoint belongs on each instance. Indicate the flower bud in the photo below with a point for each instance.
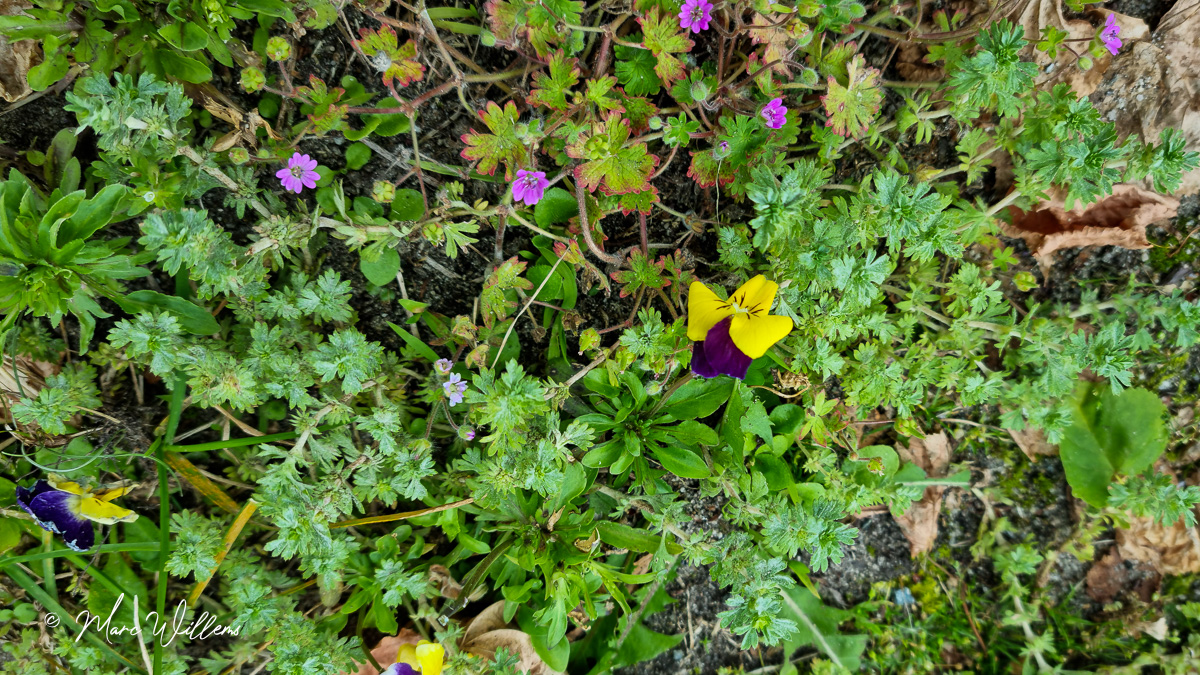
(278, 48)
(239, 155)
(466, 433)
(253, 79)
(700, 90)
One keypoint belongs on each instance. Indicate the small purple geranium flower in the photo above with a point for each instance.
(529, 186)
(299, 173)
(443, 366)
(774, 113)
(454, 388)
(1108, 34)
(695, 14)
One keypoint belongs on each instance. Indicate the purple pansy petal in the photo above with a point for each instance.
(52, 509)
(717, 355)
(399, 668)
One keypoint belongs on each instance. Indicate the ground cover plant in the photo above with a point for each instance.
(362, 336)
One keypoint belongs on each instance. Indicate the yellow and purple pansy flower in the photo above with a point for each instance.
(730, 334)
(425, 658)
(65, 508)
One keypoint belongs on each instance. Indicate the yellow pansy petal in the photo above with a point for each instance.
(754, 335)
(430, 656)
(65, 485)
(758, 293)
(705, 310)
(109, 494)
(103, 512)
(408, 654)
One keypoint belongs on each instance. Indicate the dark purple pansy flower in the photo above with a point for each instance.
(399, 669)
(52, 510)
(717, 355)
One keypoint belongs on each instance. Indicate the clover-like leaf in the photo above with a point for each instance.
(397, 62)
(551, 90)
(662, 37)
(502, 145)
(852, 108)
(610, 165)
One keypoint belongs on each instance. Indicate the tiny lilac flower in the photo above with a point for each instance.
(695, 15)
(529, 186)
(774, 113)
(299, 173)
(721, 151)
(466, 433)
(443, 366)
(1108, 34)
(454, 388)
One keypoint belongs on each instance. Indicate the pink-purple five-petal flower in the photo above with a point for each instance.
(454, 388)
(1108, 34)
(529, 186)
(299, 173)
(774, 114)
(696, 15)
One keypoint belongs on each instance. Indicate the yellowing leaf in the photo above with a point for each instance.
(661, 36)
(398, 63)
(502, 145)
(852, 107)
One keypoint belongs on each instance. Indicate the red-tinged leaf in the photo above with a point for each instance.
(852, 108)
(551, 90)
(502, 145)
(492, 302)
(661, 35)
(611, 166)
(398, 63)
(638, 111)
(706, 170)
(327, 115)
(639, 201)
(535, 21)
(600, 94)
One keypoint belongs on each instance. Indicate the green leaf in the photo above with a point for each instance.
(408, 205)
(817, 626)
(682, 462)
(691, 432)
(102, 600)
(602, 455)
(635, 71)
(633, 539)
(699, 398)
(185, 35)
(381, 268)
(551, 90)
(421, 348)
(852, 108)
(357, 156)
(643, 644)
(556, 206)
(10, 533)
(193, 318)
(1110, 435)
(183, 67)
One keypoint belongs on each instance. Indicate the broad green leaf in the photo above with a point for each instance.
(1110, 435)
(817, 626)
(633, 539)
(407, 205)
(691, 432)
(380, 268)
(193, 318)
(699, 398)
(183, 67)
(556, 206)
(635, 71)
(682, 461)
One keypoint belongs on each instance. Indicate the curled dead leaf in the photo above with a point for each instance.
(488, 632)
(914, 67)
(920, 522)
(1169, 550)
(1106, 578)
(16, 58)
(1117, 220)
(1033, 443)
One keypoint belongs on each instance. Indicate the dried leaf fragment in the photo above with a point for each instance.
(1117, 220)
(488, 632)
(16, 58)
(920, 522)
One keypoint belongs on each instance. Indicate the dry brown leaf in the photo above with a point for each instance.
(920, 522)
(1155, 84)
(385, 652)
(1169, 550)
(913, 66)
(488, 632)
(1033, 443)
(1155, 629)
(1037, 15)
(779, 41)
(24, 379)
(1117, 220)
(1106, 578)
(16, 58)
